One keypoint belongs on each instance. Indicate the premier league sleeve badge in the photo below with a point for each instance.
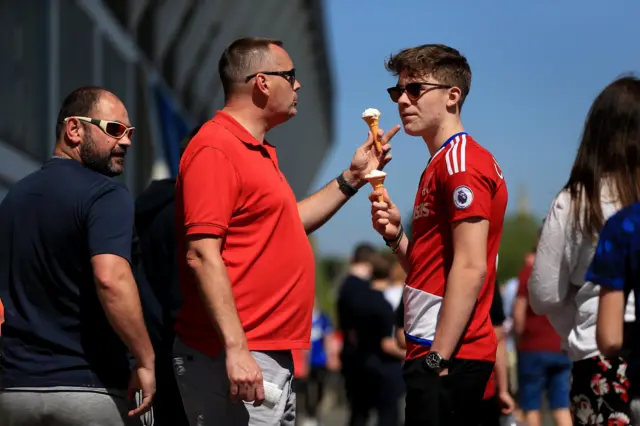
(462, 197)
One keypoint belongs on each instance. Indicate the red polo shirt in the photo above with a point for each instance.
(230, 186)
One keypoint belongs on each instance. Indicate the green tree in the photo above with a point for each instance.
(328, 269)
(518, 238)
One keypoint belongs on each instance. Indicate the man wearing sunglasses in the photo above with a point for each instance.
(451, 259)
(246, 265)
(72, 308)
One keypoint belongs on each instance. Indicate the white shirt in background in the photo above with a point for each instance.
(557, 287)
(393, 294)
(509, 292)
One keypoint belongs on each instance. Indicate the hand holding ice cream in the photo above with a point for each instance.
(372, 117)
(376, 179)
(371, 156)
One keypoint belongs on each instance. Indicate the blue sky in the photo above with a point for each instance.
(537, 66)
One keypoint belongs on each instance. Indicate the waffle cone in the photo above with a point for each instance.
(373, 126)
(377, 182)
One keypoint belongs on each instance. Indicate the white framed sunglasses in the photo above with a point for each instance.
(115, 129)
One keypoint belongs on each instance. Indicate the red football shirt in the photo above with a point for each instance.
(230, 186)
(461, 181)
(538, 333)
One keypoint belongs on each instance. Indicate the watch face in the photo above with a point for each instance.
(433, 360)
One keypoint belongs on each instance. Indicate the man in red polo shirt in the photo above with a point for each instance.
(246, 265)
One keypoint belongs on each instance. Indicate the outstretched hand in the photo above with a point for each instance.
(367, 158)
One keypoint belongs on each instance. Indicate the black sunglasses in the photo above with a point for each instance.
(413, 90)
(290, 75)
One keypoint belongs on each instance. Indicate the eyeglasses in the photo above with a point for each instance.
(413, 90)
(290, 75)
(114, 129)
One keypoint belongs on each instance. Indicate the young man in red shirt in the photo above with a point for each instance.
(451, 260)
(246, 264)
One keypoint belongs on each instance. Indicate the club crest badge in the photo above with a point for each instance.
(462, 197)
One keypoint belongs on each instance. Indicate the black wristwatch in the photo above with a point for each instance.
(345, 187)
(435, 361)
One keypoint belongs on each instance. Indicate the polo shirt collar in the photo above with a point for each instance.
(236, 129)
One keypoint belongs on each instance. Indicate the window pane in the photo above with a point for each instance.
(76, 48)
(114, 70)
(23, 77)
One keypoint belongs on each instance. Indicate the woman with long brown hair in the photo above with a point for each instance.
(605, 178)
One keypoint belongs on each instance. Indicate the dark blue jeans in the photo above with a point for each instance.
(543, 371)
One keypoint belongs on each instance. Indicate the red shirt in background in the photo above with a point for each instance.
(300, 363)
(230, 186)
(1, 316)
(538, 334)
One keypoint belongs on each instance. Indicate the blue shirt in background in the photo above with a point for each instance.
(616, 263)
(320, 328)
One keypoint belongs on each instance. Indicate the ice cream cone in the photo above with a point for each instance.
(373, 126)
(376, 179)
(372, 117)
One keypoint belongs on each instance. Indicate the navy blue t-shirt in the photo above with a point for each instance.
(56, 332)
(616, 264)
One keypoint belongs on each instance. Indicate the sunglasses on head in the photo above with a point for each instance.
(290, 75)
(114, 129)
(413, 90)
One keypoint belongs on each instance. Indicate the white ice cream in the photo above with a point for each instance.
(374, 174)
(370, 112)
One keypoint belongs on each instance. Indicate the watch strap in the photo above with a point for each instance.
(397, 238)
(345, 187)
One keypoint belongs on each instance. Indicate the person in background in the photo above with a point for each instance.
(378, 358)
(397, 277)
(602, 181)
(160, 287)
(497, 401)
(322, 359)
(246, 265)
(542, 365)
(399, 324)
(508, 293)
(72, 307)
(616, 269)
(300, 375)
(393, 295)
(356, 284)
(402, 344)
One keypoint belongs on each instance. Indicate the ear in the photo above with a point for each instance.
(74, 131)
(262, 84)
(454, 97)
